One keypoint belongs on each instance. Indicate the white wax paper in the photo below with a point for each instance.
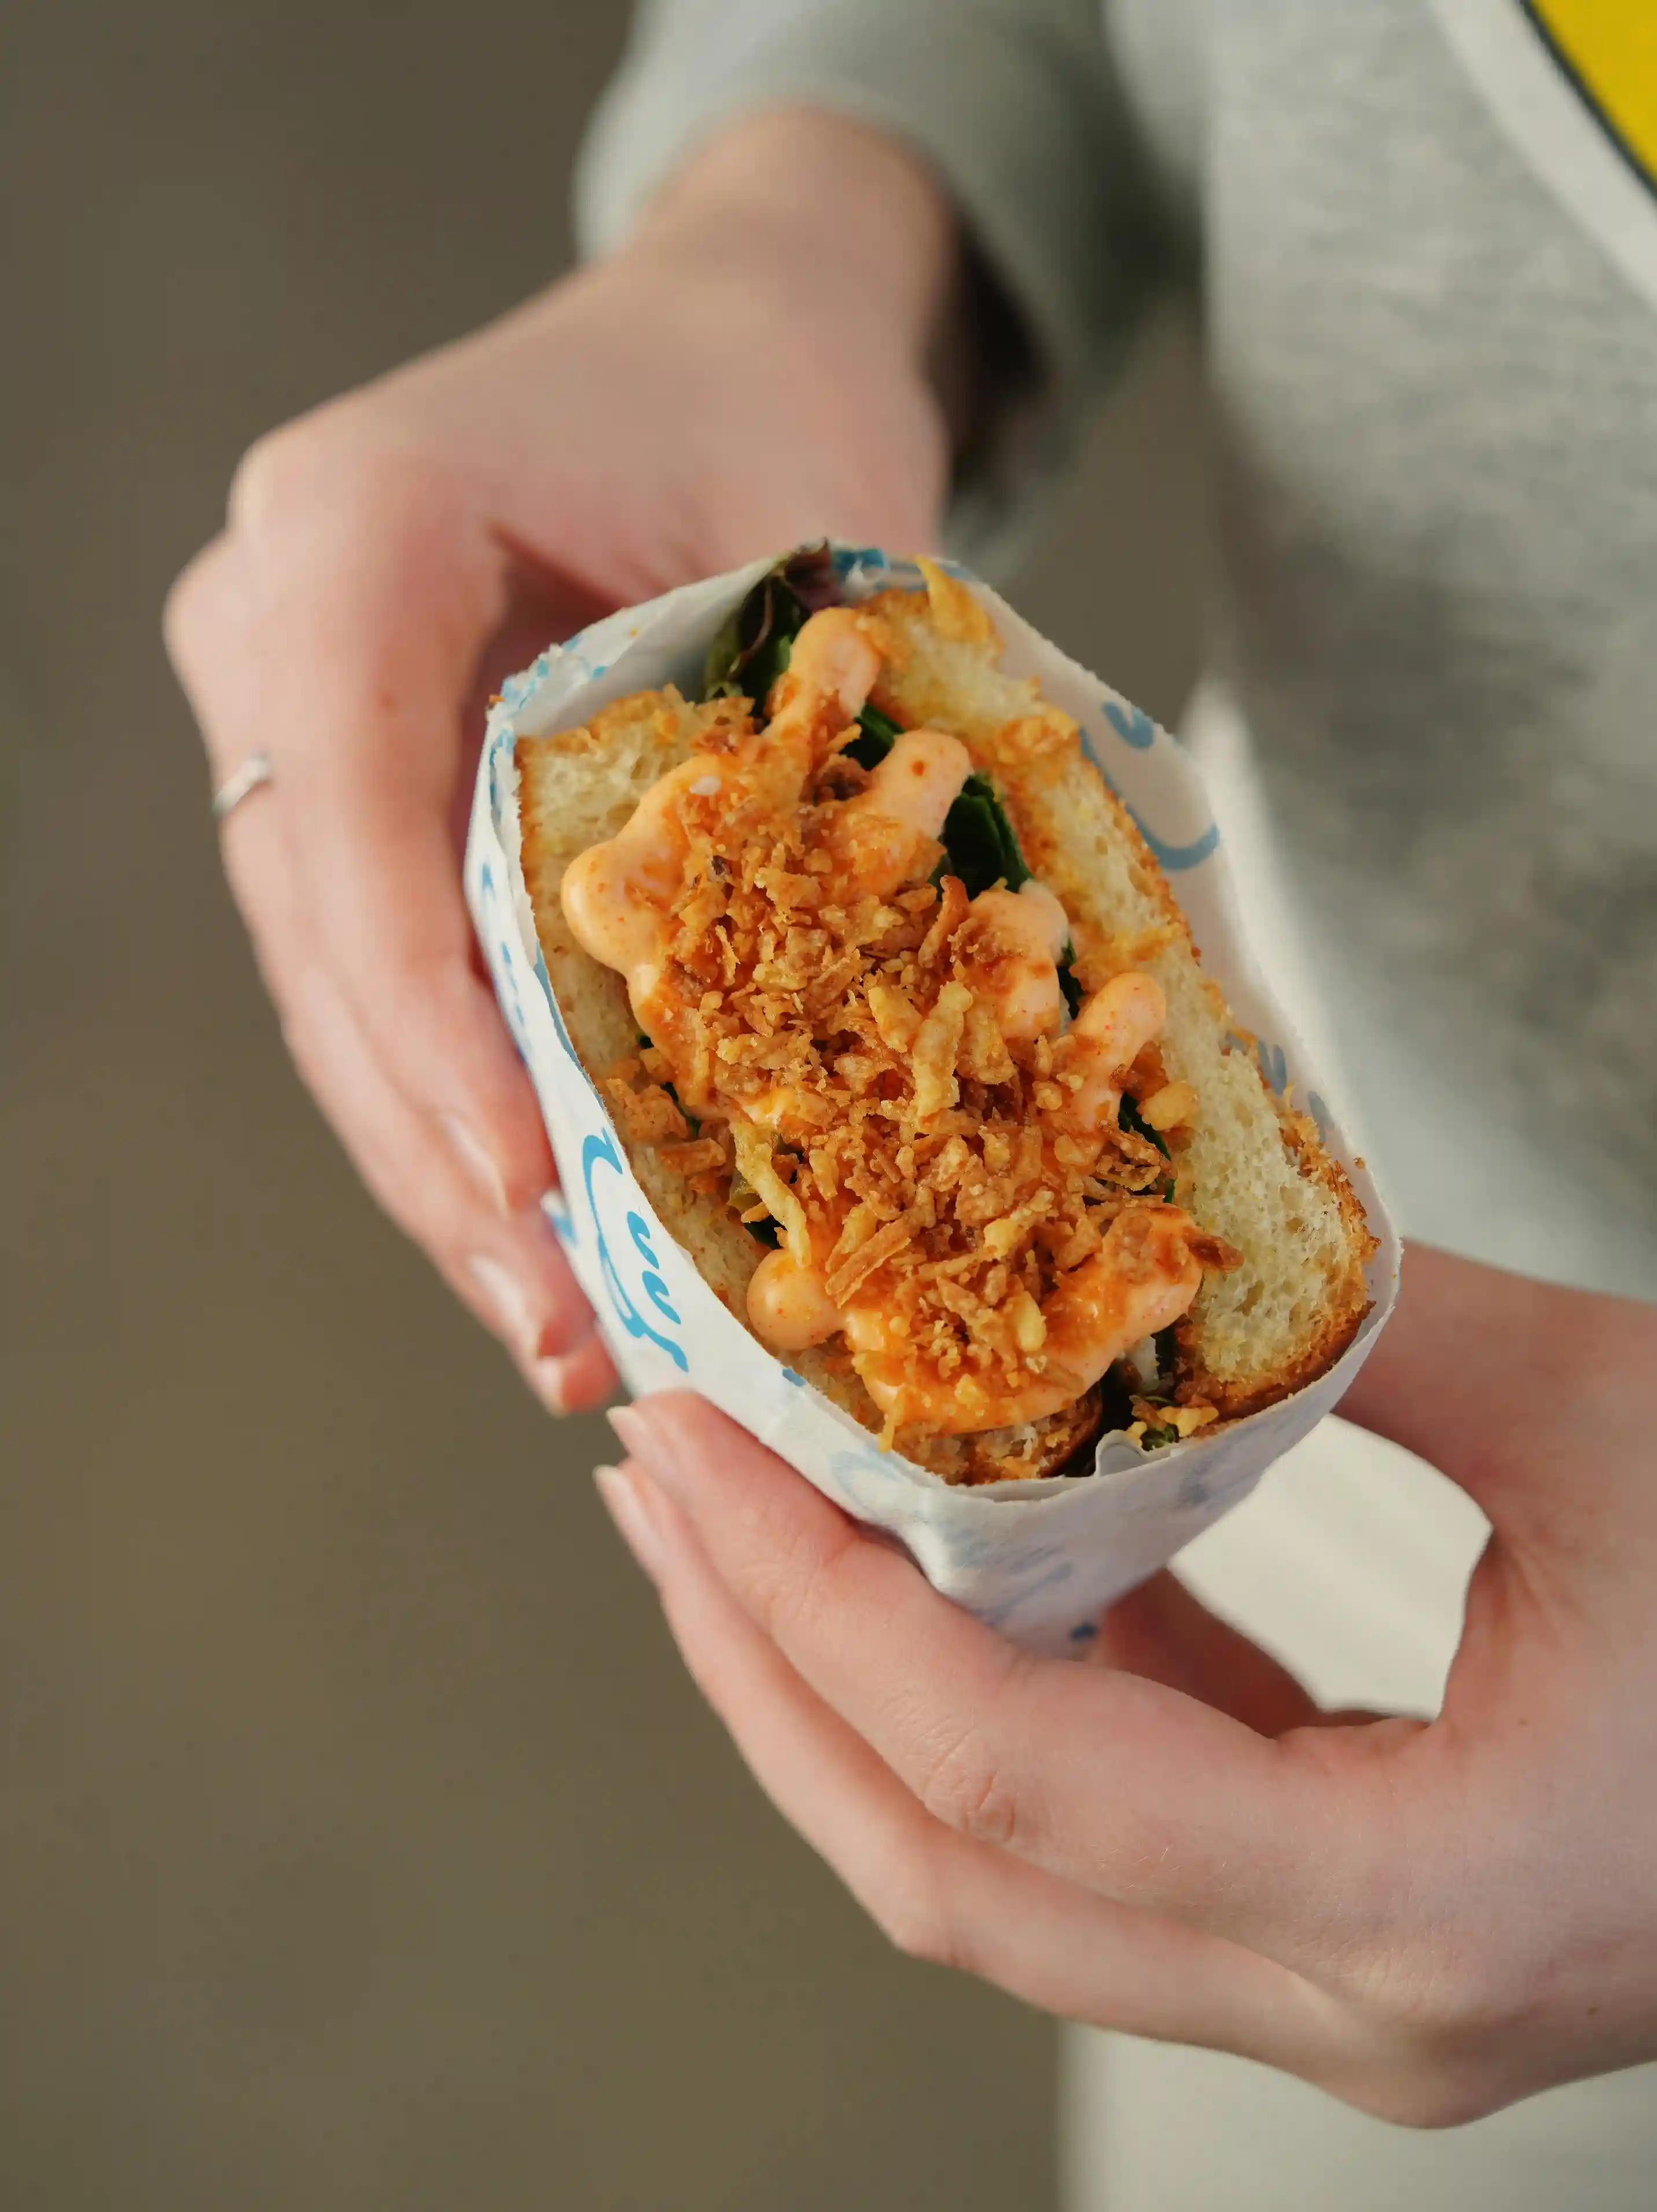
(1039, 1560)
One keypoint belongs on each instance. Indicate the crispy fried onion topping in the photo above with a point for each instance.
(832, 1056)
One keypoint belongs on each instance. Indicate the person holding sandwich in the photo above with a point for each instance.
(858, 267)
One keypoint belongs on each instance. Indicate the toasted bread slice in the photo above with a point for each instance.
(1254, 1173)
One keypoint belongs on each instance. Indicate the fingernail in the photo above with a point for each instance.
(578, 1379)
(645, 1442)
(631, 1502)
(634, 1431)
(477, 1160)
(510, 1300)
(558, 1379)
(549, 1386)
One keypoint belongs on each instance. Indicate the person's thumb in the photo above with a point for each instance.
(1528, 1397)
(1164, 1632)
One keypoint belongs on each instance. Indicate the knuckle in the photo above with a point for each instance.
(1448, 2098)
(913, 1925)
(908, 1904)
(967, 1789)
(786, 1572)
(346, 456)
(202, 612)
(275, 474)
(181, 615)
(1425, 2096)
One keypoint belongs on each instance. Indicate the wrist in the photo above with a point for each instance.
(824, 220)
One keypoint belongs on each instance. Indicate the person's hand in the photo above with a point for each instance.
(750, 373)
(1428, 1920)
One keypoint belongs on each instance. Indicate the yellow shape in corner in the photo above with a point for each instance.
(1609, 47)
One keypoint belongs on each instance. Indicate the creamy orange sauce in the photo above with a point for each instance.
(623, 899)
(1142, 1279)
(1018, 937)
(1112, 1029)
(789, 1305)
(616, 895)
(882, 833)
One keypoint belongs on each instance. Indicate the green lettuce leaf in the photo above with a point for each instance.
(979, 843)
(1128, 1117)
(752, 649)
(880, 734)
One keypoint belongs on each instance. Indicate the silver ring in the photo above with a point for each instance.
(256, 769)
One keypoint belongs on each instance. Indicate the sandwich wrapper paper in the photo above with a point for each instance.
(1038, 1560)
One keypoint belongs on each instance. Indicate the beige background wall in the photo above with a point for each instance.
(361, 1844)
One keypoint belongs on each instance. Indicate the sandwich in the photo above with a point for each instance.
(906, 1042)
